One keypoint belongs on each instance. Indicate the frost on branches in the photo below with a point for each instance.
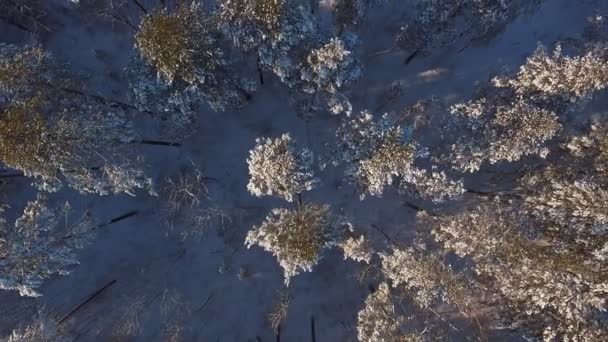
(296, 238)
(519, 115)
(568, 77)
(43, 329)
(276, 30)
(28, 72)
(376, 153)
(500, 129)
(179, 65)
(327, 70)
(59, 135)
(39, 246)
(531, 275)
(278, 168)
(378, 320)
(428, 280)
(569, 196)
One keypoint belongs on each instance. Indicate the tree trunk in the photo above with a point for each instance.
(104, 224)
(17, 25)
(12, 175)
(155, 142)
(107, 100)
(117, 219)
(86, 301)
(123, 20)
(260, 73)
(140, 6)
(388, 237)
(418, 208)
(410, 57)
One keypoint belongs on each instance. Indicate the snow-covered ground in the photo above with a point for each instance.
(197, 280)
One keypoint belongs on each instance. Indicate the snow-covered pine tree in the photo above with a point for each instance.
(59, 136)
(39, 245)
(499, 128)
(327, 70)
(381, 320)
(547, 75)
(29, 71)
(377, 152)
(278, 31)
(567, 198)
(436, 23)
(517, 115)
(297, 238)
(179, 63)
(278, 168)
(378, 320)
(426, 278)
(528, 274)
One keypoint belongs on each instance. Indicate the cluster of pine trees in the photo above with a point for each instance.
(529, 259)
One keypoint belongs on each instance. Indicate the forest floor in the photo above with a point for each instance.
(212, 287)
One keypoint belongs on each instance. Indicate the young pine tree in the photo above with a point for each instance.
(60, 136)
(278, 168)
(297, 238)
(378, 152)
(39, 246)
(179, 64)
(327, 70)
(277, 31)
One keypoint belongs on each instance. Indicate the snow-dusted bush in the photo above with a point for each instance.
(546, 74)
(378, 321)
(327, 70)
(278, 168)
(552, 291)
(376, 153)
(183, 50)
(39, 246)
(296, 238)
